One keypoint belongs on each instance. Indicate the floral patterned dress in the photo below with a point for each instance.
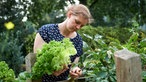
(50, 32)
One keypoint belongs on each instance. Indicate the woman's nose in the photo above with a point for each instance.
(78, 26)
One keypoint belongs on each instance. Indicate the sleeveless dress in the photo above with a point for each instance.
(50, 32)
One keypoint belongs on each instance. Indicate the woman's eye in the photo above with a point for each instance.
(77, 22)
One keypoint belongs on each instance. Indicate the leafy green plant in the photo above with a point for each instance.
(6, 74)
(144, 76)
(28, 43)
(98, 61)
(23, 77)
(99, 64)
(52, 57)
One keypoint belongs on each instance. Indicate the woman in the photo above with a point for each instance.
(77, 17)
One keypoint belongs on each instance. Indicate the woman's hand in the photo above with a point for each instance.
(76, 72)
(57, 73)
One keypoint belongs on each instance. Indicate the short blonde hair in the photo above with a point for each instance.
(81, 9)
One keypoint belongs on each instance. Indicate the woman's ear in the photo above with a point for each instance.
(69, 13)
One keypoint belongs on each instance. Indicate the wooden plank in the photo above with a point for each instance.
(30, 59)
(128, 66)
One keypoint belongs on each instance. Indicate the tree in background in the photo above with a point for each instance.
(44, 11)
(105, 13)
(117, 12)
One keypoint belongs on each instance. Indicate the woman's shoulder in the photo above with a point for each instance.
(46, 26)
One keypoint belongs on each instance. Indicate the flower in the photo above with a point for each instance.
(9, 25)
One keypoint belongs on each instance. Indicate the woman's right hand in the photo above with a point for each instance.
(57, 73)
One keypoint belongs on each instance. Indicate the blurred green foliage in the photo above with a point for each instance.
(99, 47)
(117, 12)
(10, 50)
(6, 74)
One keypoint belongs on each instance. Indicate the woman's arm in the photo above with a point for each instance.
(38, 43)
(76, 60)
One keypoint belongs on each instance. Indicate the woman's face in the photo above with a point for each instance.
(75, 22)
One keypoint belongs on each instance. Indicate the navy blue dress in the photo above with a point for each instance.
(50, 32)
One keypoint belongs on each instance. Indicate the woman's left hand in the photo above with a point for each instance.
(76, 72)
(57, 73)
